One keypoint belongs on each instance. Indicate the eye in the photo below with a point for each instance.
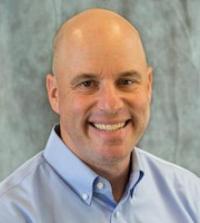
(89, 84)
(125, 82)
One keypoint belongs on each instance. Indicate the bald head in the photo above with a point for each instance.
(97, 28)
(101, 77)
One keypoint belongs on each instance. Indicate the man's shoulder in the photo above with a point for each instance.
(175, 184)
(168, 169)
(21, 174)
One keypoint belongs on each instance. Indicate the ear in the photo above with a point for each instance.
(52, 90)
(149, 82)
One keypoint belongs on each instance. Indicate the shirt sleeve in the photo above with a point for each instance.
(11, 213)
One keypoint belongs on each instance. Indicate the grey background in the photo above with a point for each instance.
(171, 35)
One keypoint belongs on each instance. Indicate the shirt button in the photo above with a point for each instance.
(100, 185)
(117, 214)
(85, 196)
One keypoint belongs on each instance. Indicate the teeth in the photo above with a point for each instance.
(109, 127)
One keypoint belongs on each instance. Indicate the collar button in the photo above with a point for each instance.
(85, 196)
(100, 185)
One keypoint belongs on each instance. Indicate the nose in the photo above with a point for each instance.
(110, 99)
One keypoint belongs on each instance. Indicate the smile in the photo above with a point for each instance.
(109, 127)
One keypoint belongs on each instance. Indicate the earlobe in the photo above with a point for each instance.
(52, 90)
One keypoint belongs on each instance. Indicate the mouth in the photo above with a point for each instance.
(109, 127)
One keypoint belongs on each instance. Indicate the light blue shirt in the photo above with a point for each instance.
(56, 187)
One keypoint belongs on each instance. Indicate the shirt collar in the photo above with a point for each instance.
(77, 174)
(137, 171)
(72, 170)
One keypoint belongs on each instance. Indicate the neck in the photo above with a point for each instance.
(117, 175)
(119, 183)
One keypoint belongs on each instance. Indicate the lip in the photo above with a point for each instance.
(107, 126)
(112, 138)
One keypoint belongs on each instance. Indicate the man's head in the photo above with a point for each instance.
(101, 86)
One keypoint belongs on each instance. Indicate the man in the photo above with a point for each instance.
(91, 170)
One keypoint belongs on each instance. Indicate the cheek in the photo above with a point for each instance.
(66, 106)
(141, 109)
(79, 105)
(74, 107)
(144, 108)
(140, 101)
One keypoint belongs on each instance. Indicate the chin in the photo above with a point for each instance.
(115, 153)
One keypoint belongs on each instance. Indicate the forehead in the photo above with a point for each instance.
(101, 58)
(102, 53)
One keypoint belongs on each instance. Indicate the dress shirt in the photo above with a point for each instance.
(57, 187)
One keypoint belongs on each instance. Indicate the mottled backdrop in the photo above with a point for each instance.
(171, 34)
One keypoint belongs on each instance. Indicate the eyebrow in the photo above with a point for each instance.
(130, 73)
(93, 76)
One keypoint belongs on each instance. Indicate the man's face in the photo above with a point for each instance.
(103, 97)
